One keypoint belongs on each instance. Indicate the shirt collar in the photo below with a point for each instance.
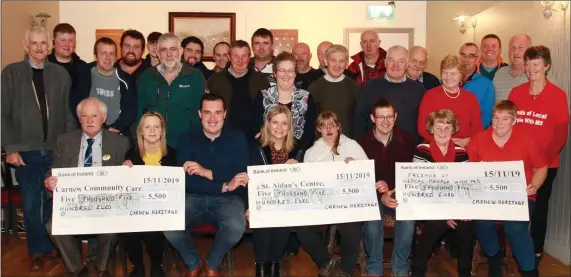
(162, 70)
(391, 81)
(97, 137)
(35, 66)
(235, 74)
(334, 80)
(420, 78)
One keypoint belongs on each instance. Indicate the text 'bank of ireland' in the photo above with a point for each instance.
(442, 191)
(303, 194)
(118, 199)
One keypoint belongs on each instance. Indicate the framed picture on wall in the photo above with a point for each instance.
(211, 28)
(388, 36)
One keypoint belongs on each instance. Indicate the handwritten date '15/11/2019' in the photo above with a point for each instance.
(160, 180)
(352, 176)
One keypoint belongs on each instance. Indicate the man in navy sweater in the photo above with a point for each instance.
(215, 158)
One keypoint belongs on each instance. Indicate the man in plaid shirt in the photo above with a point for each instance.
(369, 63)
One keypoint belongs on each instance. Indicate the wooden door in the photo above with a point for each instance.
(114, 34)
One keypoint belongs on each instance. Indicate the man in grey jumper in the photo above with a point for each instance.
(35, 110)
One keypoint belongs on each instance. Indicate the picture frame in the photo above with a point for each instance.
(388, 36)
(211, 28)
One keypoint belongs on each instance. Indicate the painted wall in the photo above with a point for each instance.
(15, 21)
(308, 17)
(505, 19)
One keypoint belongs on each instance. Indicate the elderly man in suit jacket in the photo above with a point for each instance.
(90, 146)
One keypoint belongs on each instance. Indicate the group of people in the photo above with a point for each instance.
(171, 110)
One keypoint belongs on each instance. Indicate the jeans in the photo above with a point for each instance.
(373, 235)
(539, 218)
(226, 213)
(518, 236)
(36, 207)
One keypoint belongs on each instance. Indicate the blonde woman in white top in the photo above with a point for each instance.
(332, 145)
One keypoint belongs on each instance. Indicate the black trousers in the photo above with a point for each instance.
(154, 243)
(312, 240)
(539, 216)
(431, 234)
(270, 243)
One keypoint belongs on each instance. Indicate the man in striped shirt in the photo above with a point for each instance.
(512, 76)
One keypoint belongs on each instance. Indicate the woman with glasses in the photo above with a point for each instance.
(332, 145)
(297, 100)
(450, 95)
(151, 150)
(441, 125)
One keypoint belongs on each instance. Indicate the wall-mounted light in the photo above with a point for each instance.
(40, 20)
(462, 23)
(549, 7)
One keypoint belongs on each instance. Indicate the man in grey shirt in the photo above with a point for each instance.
(102, 80)
(509, 77)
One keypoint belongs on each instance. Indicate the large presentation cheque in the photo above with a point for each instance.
(486, 190)
(312, 194)
(118, 199)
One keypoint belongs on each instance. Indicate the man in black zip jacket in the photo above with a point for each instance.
(193, 50)
(103, 80)
(64, 51)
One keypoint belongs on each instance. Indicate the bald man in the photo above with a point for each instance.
(370, 62)
(305, 73)
(321, 54)
(512, 76)
(417, 61)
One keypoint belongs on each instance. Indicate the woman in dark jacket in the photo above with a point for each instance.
(275, 146)
(151, 150)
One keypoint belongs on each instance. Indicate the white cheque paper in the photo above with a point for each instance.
(312, 194)
(442, 191)
(118, 199)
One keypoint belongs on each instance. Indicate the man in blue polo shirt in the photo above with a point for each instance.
(215, 158)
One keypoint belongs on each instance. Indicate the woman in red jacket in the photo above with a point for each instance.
(543, 112)
(450, 95)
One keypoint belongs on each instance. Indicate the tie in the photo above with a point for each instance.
(88, 161)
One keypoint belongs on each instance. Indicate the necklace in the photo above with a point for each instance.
(450, 92)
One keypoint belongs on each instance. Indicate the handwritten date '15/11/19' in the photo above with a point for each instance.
(502, 173)
(160, 180)
(352, 176)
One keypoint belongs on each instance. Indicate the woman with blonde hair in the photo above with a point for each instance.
(450, 95)
(275, 146)
(332, 145)
(151, 150)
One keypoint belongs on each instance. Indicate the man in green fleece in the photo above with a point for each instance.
(172, 89)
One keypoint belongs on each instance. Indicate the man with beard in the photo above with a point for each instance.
(100, 79)
(263, 48)
(477, 83)
(221, 56)
(369, 63)
(172, 88)
(152, 57)
(35, 111)
(64, 51)
(132, 48)
(192, 54)
(305, 73)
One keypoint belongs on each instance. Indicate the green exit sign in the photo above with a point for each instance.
(380, 11)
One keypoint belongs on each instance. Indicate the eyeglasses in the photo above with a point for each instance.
(470, 56)
(327, 126)
(387, 118)
(284, 72)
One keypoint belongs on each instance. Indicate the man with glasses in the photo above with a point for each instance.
(477, 83)
(404, 93)
(386, 146)
(417, 61)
